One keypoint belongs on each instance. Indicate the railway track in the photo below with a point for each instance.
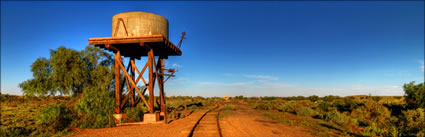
(208, 125)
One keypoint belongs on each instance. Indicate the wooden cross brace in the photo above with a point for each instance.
(155, 74)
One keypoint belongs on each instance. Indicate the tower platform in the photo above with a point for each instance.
(137, 46)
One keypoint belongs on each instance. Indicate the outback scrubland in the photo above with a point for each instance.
(60, 115)
(349, 116)
(73, 90)
(322, 116)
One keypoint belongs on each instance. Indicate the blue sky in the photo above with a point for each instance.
(241, 48)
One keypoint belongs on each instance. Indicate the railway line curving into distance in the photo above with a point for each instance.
(208, 125)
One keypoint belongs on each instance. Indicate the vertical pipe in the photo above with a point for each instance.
(134, 79)
(151, 81)
(117, 83)
(161, 88)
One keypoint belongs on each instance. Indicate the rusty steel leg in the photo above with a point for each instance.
(151, 96)
(117, 83)
(134, 78)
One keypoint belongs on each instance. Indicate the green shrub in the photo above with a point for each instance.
(372, 112)
(13, 131)
(350, 103)
(239, 97)
(265, 105)
(329, 98)
(288, 106)
(413, 121)
(181, 115)
(305, 111)
(324, 106)
(54, 118)
(313, 98)
(335, 117)
(95, 108)
(373, 130)
(376, 98)
(227, 107)
(415, 94)
(300, 98)
(134, 113)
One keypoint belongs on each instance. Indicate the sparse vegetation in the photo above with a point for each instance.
(226, 110)
(350, 116)
(53, 119)
(33, 116)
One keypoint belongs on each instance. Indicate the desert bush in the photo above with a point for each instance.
(313, 98)
(239, 97)
(14, 131)
(95, 108)
(335, 116)
(372, 112)
(305, 111)
(324, 106)
(329, 98)
(344, 104)
(264, 105)
(134, 113)
(376, 98)
(373, 130)
(54, 118)
(193, 108)
(350, 103)
(300, 98)
(290, 106)
(227, 107)
(413, 121)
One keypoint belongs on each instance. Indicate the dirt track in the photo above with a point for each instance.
(243, 121)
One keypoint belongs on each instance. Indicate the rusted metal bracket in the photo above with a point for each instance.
(118, 26)
(181, 40)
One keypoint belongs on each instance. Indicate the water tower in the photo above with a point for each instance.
(136, 35)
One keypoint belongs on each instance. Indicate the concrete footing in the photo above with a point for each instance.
(118, 117)
(151, 117)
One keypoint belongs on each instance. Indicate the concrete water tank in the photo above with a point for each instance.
(139, 24)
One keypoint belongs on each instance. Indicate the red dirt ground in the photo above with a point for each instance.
(242, 121)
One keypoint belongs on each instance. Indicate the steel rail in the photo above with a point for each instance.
(192, 131)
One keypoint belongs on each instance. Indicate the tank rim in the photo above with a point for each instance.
(139, 12)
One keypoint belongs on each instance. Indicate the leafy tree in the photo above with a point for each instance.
(67, 71)
(42, 84)
(87, 73)
(415, 94)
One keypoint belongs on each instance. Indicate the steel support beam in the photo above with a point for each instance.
(117, 82)
(151, 59)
